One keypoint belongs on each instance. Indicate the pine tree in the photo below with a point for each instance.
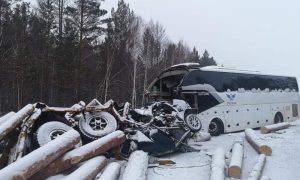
(206, 60)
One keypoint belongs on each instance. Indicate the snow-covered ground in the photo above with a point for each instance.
(283, 164)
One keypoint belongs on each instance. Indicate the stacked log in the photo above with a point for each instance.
(111, 172)
(257, 143)
(88, 170)
(82, 153)
(6, 117)
(30, 164)
(236, 162)
(274, 127)
(11, 123)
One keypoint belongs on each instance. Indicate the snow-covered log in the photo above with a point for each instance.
(218, 165)
(82, 153)
(137, 166)
(11, 123)
(30, 164)
(257, 143)
(6, 117)
(111, 172)
(258, 168)
(274, 127)
(88, 170)
(236, 162)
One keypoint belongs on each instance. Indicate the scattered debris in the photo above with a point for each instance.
(157, 129)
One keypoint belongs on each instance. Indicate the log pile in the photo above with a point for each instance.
(61, 158)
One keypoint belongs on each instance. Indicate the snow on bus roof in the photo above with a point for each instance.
(229, 69)
(186, 65)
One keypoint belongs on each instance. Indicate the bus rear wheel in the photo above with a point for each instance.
(278, 118)
(216, 127)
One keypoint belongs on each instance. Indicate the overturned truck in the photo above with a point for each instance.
(158, 128)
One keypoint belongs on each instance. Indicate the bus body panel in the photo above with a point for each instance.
(239, 99)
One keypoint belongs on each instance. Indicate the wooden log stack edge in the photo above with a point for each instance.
(30, 164)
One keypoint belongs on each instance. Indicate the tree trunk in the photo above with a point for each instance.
(40, 158)
(236, 162)
(89, 169)
(6, 117)
(145, 82)
(137, 166)
(257, 143)
(218, 165)
(15, 120)
(111, 172)
(82, 153)
(133, 96)
(258, 168)
(274, 127)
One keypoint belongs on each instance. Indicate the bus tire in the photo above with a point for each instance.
(216, 127)
(278, 118)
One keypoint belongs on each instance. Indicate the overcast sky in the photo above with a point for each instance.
(259, 35)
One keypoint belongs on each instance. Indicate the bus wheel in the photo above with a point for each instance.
(278, 118)
(216, 127)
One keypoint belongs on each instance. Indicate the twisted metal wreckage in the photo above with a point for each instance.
(158, 128)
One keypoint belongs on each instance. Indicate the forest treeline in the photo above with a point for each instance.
(64, 51)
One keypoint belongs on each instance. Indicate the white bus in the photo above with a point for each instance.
(227, 100)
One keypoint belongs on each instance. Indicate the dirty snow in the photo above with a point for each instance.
(283, 164)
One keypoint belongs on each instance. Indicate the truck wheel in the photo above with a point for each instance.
(193, 122)
(97, 124)
(51, 130)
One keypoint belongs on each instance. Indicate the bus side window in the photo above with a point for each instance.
(190, 99)
(206, 101)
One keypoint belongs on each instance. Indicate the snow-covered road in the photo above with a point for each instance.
(283, 164)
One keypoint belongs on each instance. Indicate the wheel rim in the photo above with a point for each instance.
(98, 123)
(55, 133)
(213, 127)
(194, 122)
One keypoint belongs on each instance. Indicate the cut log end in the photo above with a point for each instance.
(235, 172)
(264, 149)
(264, 130)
